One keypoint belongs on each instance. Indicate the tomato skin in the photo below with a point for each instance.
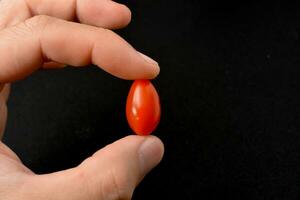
(143, 107)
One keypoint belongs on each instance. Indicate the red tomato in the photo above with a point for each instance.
(143, 107)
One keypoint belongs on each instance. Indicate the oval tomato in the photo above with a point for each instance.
(143, 107)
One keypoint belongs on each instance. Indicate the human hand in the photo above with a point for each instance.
(40, 33)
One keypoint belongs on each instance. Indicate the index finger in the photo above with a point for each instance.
(101, 13)
(24, 48)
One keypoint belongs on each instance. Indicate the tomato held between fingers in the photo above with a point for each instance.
(143, 107)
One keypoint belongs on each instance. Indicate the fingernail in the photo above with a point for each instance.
(151, 152)
(148, 59)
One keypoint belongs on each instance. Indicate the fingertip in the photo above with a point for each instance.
(107, 14)
(124, 15)
(159, 145)
(146, 151)
(151, 153)
(155, 71)
(113, 15)
(153, 66)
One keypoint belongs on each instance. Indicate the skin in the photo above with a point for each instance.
(50, 34)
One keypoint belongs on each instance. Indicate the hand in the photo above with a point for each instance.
(40, 33)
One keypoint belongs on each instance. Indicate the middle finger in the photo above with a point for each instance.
(101, 13)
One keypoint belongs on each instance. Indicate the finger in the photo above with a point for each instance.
(11, 167)
(24, 48)
(102, 13)
(5, 92)
(13, 12)
(5, 150)
(125, 162)
(112, 173)
(3, 108)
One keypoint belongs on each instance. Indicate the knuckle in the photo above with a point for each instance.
(31, 26)
(117, 186)
(38, 22)
(82, 177)
(110, 37)
(108, 185)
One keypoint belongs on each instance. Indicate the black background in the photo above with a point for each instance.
(230, 98)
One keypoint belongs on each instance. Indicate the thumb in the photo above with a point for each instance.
(111, 173)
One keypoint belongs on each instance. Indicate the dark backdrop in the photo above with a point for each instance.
(230, 99)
